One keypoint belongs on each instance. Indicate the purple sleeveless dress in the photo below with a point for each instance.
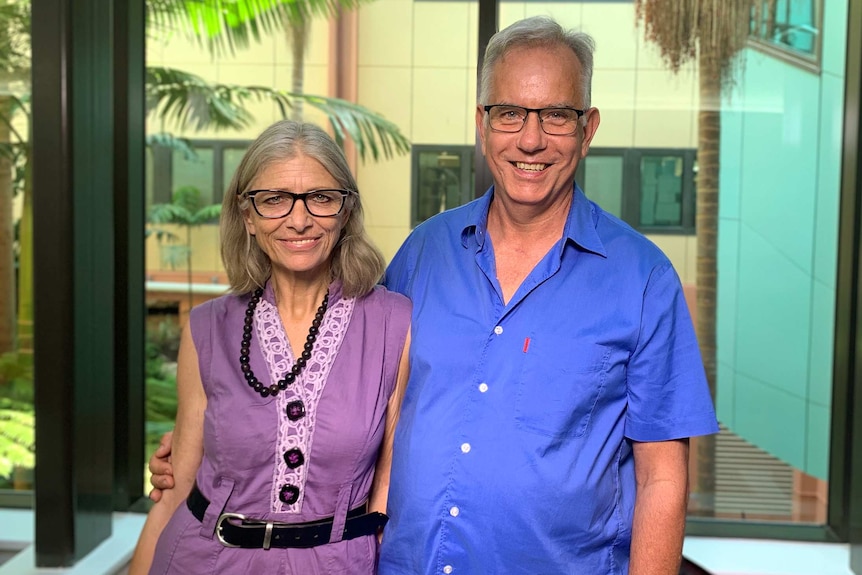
(344, 388)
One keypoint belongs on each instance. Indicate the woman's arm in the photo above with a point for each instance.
(187, 451)
(380, 486)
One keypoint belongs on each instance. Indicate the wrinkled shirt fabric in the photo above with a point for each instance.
(513, 453)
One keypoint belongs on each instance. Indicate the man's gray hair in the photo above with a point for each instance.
(537, 31)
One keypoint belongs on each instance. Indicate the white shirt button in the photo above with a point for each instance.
(454, 511)
(447, 569)
(483, 387)
(498, 330)
(465, 448)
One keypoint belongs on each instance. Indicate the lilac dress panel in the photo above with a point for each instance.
(345, 388)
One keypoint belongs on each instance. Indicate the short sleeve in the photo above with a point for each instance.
(668, 395)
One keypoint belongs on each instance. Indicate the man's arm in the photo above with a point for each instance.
(661, 472)
(380, 486)
(160, 467)
(188, 451)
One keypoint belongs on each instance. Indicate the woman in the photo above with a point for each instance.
(289, 387)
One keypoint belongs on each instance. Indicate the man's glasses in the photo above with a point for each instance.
(554, 121)
(275, 204)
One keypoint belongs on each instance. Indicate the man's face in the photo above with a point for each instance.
(530, 167)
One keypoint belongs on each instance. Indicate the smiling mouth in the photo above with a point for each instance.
(301, 242)
(530, 167)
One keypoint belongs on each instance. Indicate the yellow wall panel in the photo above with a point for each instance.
(665, 109)
(441, 33)
(385, 33)
(438, 97)
(387, 90)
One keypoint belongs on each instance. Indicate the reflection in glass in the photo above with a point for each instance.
(661, 190)
(444, 180)
(17, 417)
(604, 180)
(789, 24)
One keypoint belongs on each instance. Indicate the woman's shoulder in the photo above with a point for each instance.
(220, 306)
(381, 296)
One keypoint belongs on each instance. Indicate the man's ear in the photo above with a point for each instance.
(593, 118)
(480, 126)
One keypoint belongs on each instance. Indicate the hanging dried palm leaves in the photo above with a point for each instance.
(680, 27)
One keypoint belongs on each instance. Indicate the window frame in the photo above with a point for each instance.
(631, 197)
(810, 63)
(163, 166)
(630, 201)
(464, 152)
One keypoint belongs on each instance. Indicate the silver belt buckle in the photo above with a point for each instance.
(244, 522)
(221, 519)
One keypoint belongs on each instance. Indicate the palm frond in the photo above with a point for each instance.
(172, 142)
(206, 214)
(372, 134)
(169, 214)
(193, 104)
(223, 26)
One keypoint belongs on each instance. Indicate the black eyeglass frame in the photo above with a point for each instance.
(538, 111)
(302, 197)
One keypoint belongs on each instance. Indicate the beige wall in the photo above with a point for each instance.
(416, 66)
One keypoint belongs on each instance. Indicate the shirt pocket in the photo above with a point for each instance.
(559, 386)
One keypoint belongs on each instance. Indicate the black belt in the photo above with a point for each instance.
(235, 530)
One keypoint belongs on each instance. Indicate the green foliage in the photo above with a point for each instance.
(187, 208)
(17, 436)
(17, 418)
(161, 381)
(15, 40)
(193, 104)
(172, 142)
(223, 26)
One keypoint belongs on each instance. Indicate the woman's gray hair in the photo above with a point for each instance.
(533, 32)
(355, 260)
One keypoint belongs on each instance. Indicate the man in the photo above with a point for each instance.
(555, 377)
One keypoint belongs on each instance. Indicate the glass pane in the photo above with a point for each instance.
(789, 24)
(17, 417)
(603, 178)
(440, 185)
(661, 190)
(149, 169)
(231, 158)
(195, 171)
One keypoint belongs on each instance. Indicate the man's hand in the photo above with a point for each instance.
(161, 468)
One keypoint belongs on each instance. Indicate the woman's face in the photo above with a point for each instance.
(298, 244)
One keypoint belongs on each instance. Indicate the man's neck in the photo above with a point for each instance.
(532, 224)
(520, 237)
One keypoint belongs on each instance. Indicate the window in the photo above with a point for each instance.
(208, 166)
(651, 189)
(442, 179)
(789, 29)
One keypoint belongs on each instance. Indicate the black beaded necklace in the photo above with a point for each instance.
(300, 362)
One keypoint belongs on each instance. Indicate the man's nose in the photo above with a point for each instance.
(532, 135)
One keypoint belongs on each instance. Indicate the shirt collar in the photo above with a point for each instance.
(580, 225)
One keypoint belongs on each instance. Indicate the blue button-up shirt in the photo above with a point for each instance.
(513, 453)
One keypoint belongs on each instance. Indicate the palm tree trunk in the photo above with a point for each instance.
(298, 37)
(7, 239)
(708, 148)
